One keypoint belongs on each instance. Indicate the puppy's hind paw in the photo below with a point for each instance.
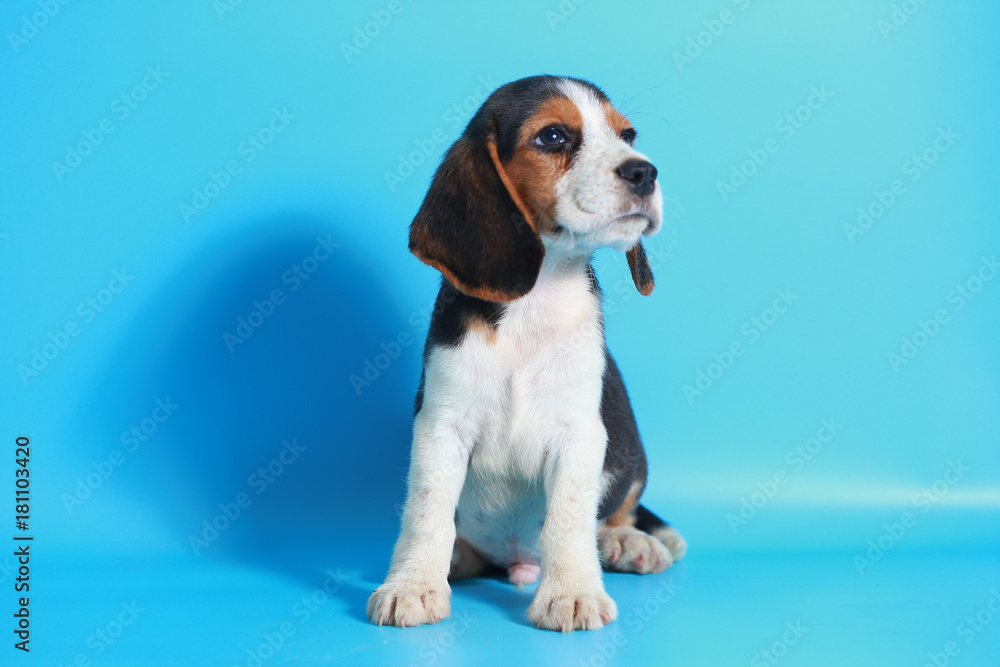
(673, 541)
(628, 549)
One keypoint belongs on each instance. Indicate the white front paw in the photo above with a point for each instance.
(406, 603)
(556, 608)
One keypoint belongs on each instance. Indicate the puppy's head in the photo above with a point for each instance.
(544, 157)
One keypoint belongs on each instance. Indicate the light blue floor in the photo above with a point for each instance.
(712, 609)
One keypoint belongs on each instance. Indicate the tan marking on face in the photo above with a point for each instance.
(616, 121)
(625, 515)
(534, 173)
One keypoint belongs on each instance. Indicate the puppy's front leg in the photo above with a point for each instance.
(416, 589)
(571, 595)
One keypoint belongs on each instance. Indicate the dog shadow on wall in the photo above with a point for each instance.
(272, 453)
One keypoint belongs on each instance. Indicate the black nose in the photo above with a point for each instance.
(641, 176)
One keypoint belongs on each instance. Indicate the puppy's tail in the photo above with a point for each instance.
(648, 522)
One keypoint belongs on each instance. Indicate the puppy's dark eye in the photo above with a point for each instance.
(550, 136)
(628, 136)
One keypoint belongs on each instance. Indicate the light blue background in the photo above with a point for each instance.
(719, 262)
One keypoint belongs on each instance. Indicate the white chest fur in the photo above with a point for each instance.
(513, 396)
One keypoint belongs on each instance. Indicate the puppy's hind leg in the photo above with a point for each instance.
(648, 522)
(466, 562)
(625, 548)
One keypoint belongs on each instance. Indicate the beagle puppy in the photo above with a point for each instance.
(526, 455)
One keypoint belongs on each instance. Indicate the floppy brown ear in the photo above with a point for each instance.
(638, 264)
(473, 228)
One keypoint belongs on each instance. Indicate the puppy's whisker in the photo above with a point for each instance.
(647, 113)
(659, 85)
